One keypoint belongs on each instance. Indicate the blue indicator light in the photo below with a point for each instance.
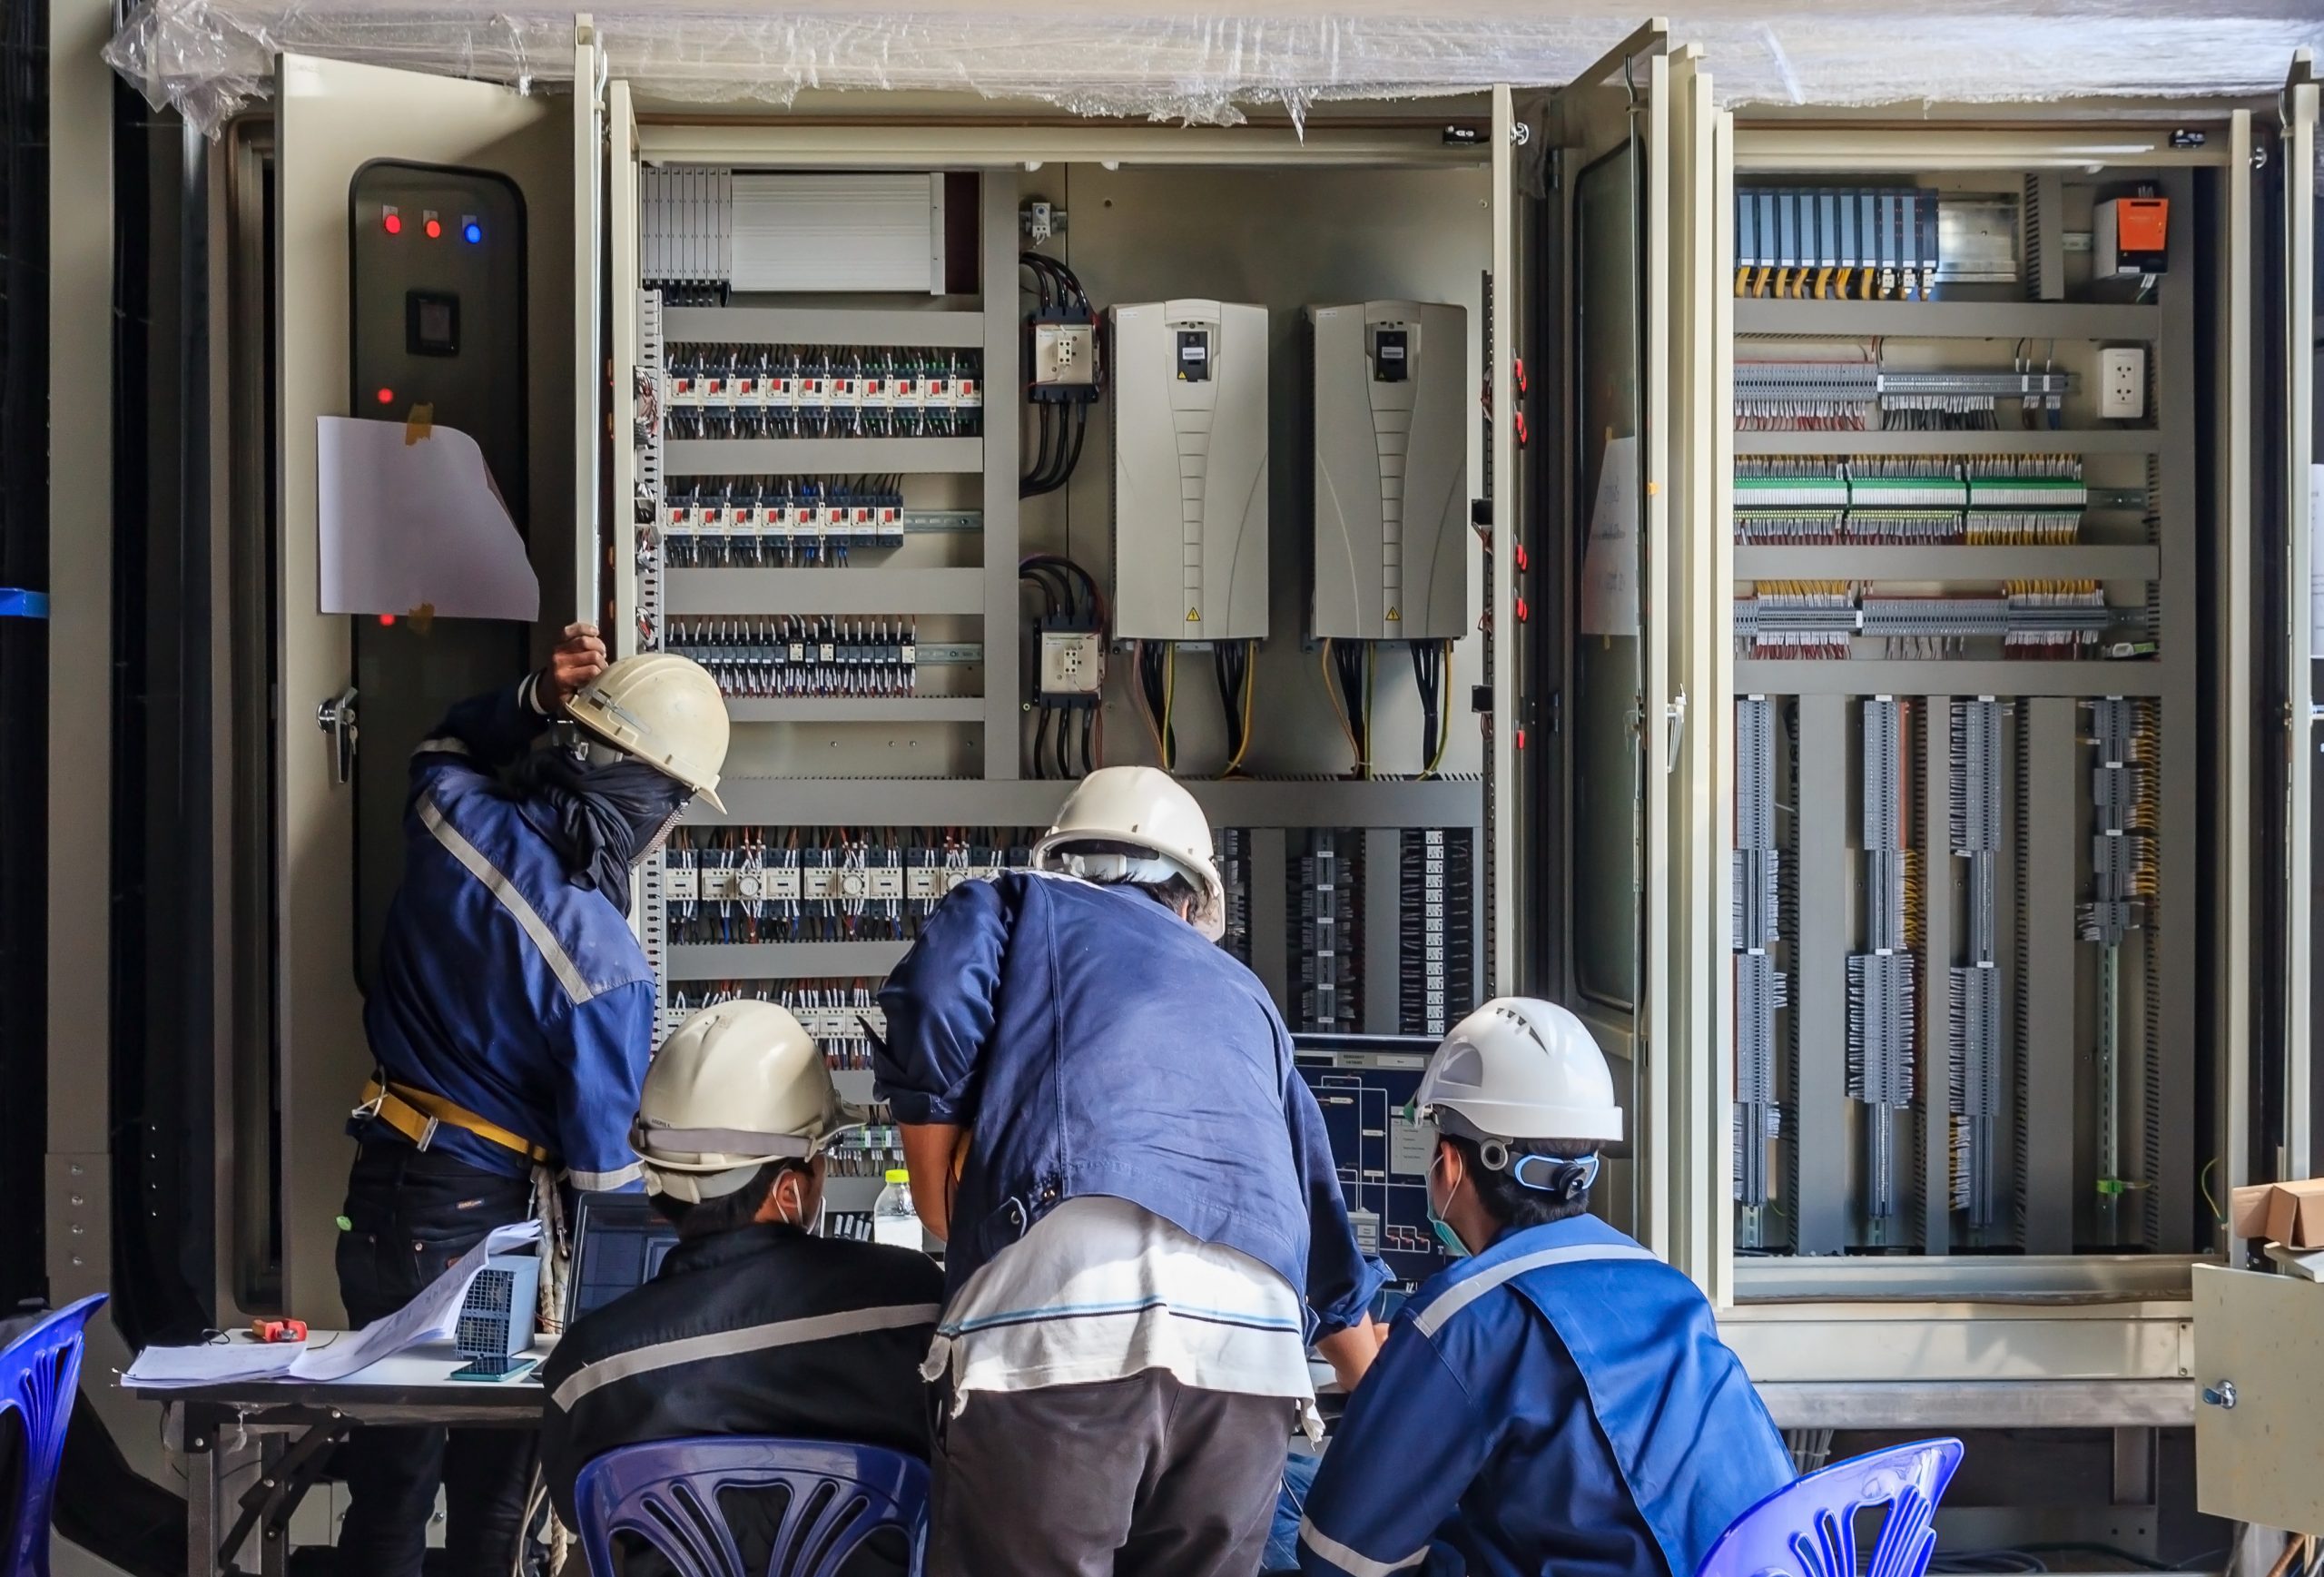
(472, 232)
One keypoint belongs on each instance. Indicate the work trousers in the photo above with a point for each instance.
(1137, 1477)
(411, 1214)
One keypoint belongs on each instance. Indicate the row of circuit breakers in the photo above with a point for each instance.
(730, 885)
(1887, 1071)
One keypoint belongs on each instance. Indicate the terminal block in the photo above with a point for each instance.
(1761, 990)
(802, 656)
(1883, 994)
(1327, 913)
(1437, 947)
(1974, 987)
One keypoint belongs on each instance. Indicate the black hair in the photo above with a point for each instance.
(1510, 1202)
(1175, 893)
(725, 1212)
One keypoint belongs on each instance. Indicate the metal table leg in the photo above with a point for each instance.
(201, 1511)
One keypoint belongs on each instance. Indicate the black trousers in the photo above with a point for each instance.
(1138, 1477)
(411, 1214)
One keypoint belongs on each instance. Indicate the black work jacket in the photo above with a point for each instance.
(764, 1330)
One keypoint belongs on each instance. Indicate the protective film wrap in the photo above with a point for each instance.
(209, 58)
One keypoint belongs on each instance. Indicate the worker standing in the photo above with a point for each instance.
(1101, 1117)
(510, 1025)
(1560, 1400)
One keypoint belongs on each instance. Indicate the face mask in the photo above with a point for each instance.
(1439, 1225)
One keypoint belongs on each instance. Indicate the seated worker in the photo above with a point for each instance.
(1560, 1400)
(754, 1324)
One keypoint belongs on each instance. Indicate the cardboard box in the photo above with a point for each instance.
(2292, 1214)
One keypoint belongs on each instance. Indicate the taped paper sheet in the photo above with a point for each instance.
(409, 520)
(1610, 563)
(2315, 561)
(430, 1318)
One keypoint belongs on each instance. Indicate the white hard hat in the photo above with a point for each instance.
(737, 1085)
(663, 709)
(1521, 1069)
(1145, 809)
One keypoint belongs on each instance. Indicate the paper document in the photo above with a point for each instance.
(409, 521)
(430, 1318)
(213, 1363)
(2316, 561)
(1609, 562)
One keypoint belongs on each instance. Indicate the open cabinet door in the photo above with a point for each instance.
(2301, 487)
(1609, 278)
(479, 183)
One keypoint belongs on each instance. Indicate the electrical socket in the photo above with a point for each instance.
(2121, 383)
(1073, 663)
(1065, 354)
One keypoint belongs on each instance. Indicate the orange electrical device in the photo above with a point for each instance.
(282, 1330)
(2131, 236)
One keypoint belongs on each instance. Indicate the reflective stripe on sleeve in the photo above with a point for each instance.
(1353, 1562)
(729, 1343)
(560, 963)
(598, 1182)
(442, 745)
(1432, 1319)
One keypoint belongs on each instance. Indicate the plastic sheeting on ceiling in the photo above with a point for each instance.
(1208, 64)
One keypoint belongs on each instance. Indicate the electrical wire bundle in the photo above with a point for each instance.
(1070, 602)
(1057, 448)
(1238, 676)
(1155, 673)
(1349, 667)
(1431, 667)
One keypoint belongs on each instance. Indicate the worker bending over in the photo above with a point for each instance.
(1100, 1118)
(1559, 1401)
(509, 1025)
(755, 1323)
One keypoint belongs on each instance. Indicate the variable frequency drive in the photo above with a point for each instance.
(1190, 471)
(1391, 470)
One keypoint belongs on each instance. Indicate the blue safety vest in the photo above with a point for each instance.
(502, 987)
(1560, 1402)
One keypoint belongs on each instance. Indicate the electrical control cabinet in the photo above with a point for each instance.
(1388, 382)
(1190, 471)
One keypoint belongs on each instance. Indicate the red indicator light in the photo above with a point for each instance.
(1521, 610)
(388, 619)
(1521, 739)
(1520, 555)
(434, 230)
(391, 221)
(387, 397)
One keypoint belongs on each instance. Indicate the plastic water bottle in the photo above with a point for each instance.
(893, 1220)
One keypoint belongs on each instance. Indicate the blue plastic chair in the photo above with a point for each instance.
(666, 1493)
(40, 1372)
(1808, 1528)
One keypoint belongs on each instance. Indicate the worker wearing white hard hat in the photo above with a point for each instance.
(1559, 1399)
(510, 1022)
(755, 1321)
(1100, 1116)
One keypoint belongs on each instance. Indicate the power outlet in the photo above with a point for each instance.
(1073, 663)
(2121, 383)
(1064, 354)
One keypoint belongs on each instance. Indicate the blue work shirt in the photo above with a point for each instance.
(502, 987)
(1094, 1044)
(1560, 1402)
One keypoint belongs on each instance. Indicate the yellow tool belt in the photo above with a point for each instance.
(416, 1115)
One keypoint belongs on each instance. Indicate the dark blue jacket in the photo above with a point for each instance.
(1560, 1402)
(502, 986)
(1096, 1044)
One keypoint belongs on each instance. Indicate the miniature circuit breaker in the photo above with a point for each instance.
(1391, 457)
(1190, 471)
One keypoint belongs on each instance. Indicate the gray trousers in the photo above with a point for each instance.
(1138, 1477)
